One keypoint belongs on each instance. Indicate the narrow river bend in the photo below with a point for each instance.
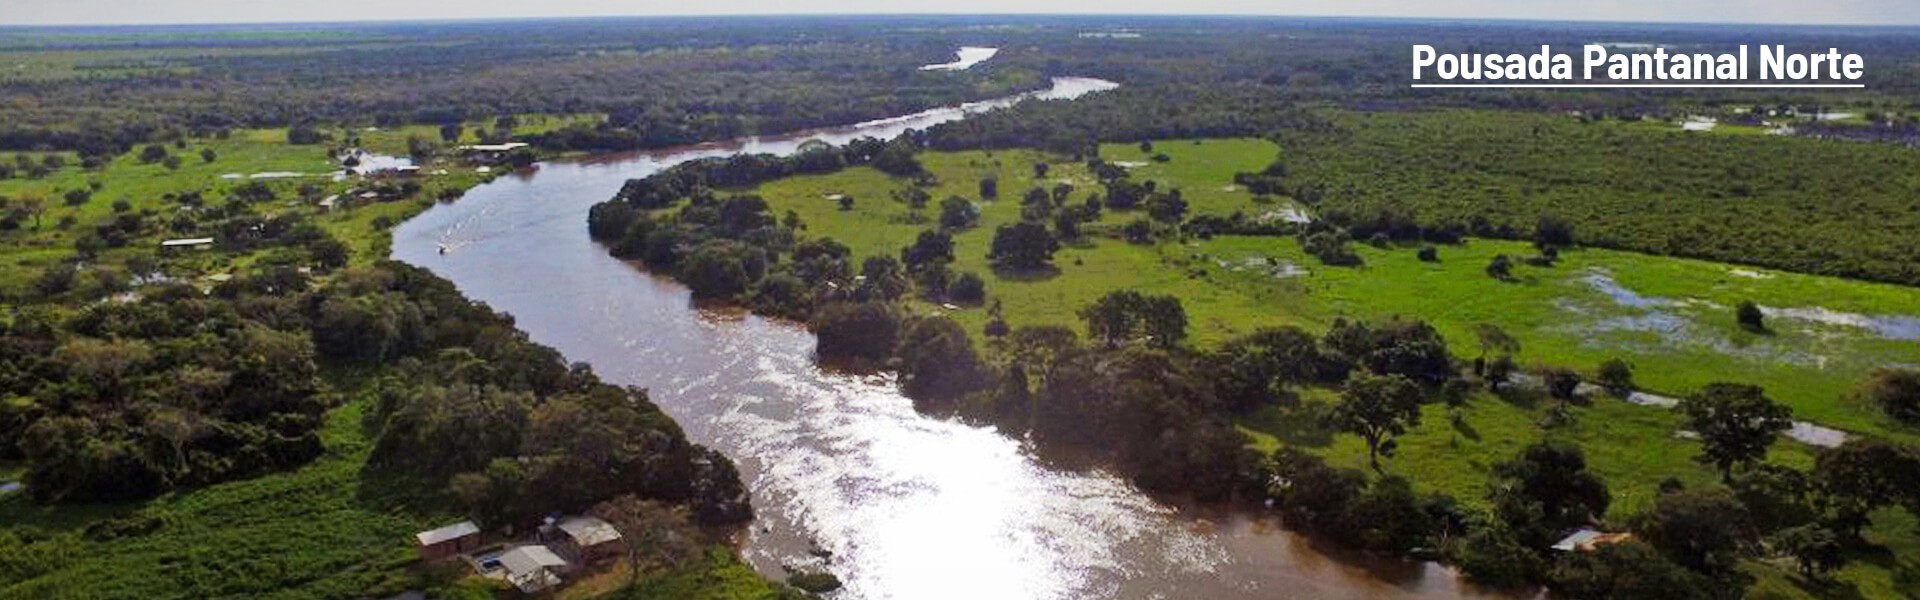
(911, 507)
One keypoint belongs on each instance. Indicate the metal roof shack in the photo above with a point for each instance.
(187, 243)
(1586, 540)
(588, 539)
(531, 568)
(506, 147)
(448, 541)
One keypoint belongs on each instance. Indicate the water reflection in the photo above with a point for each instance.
(903, 505)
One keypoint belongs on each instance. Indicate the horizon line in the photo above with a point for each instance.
(1643, 85)
(1227, 15)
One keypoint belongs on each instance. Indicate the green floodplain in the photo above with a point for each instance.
(1671, 318)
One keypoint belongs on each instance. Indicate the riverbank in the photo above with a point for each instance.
(1234, 284)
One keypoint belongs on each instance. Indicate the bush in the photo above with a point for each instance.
(937, 361)
(814, 583)
(1895, 392)
(1616, 375)
(968, 288)
(1493, 556)
(1022, 246)
(864, 330)
(1750, 317)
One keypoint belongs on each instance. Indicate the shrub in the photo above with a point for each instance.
(968, 288)
(1895, 391)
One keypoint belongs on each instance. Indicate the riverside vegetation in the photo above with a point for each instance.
(1165, 290)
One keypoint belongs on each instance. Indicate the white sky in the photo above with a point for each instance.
(1837, 12)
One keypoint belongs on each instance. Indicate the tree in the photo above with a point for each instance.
(33, 207)
(303, 134)
(723, 268)
(1405, 347)
(650, 530)
(958, 213)
(989, 188)
(937, 361)
(208, 155)
(450, 132)
(1552, 231)
(1895, 391)
(1562, 383)
(1499, 371)
(885, 278)
(1378, 408)
(1864, 474)
(1705, 529)
(968, 288)
(1040, 169)
(1139, 231)
(1546, 489)
(1500, 268)
(1627, 570)
(898, 160)
(1331, 247)
(1126, 315)
(1776, 496)
(1491, 554)
(1736, 423)
(932, 247)
(846, 202)
(153, 153)
(1815, 549)
(1023, 247)
(1616, 375)
(1255, 369)
(864, 330)
(1750, 317)
(1428, 254)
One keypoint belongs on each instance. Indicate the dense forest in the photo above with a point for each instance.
(662, 82)
(1814, 206)
(163, 387)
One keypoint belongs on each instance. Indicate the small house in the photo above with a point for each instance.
(532, 568)
(588, 539)
(201, 243)
(1586, 540)
(450, 541)
(491, 153)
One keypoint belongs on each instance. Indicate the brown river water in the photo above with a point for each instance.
(910, 506)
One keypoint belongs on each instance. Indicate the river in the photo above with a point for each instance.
(910, 506)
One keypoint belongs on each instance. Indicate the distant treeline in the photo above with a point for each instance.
(1806, 205)
(672, 81)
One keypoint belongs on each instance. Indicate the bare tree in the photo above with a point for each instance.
(651, 530)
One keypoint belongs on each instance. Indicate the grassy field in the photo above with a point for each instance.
(1672, 318)
(146, 187)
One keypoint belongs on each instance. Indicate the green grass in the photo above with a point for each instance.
(1560, 318)
(1556, 312)
(309, 533)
